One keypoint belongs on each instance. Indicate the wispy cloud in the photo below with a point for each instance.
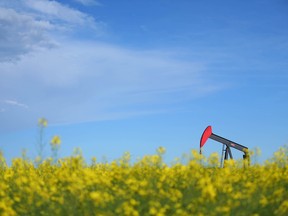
(54, 10)
(88, 2)
(81, 81)
(15, 103)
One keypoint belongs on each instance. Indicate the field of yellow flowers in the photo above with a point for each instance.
(147, 187)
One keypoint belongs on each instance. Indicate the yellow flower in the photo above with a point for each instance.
(283, 208)
(96, 196)
(161, 150)
(56, 141)
(263, 201)
(152, 211)
(42, 122)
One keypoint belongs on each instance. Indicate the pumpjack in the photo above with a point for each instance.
(227, 145)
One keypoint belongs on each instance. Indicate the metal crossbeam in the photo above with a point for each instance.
(228, 143)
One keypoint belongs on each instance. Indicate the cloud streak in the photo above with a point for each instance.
(15, 103)
(88, 2)
(53, 10)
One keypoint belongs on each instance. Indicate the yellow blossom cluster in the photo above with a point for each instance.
(56, 140)
(42, 122)
(146, 187)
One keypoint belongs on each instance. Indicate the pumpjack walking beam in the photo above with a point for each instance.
(228, 143)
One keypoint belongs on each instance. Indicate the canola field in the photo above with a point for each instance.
(146, 187)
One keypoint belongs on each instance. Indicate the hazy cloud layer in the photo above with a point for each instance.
(44, 72)
(90, 81)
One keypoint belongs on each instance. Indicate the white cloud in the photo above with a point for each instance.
(33, 24)
(21, 33)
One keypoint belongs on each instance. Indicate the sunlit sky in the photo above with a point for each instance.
(132, 75)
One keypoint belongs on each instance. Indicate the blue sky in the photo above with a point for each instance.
(116, 76)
